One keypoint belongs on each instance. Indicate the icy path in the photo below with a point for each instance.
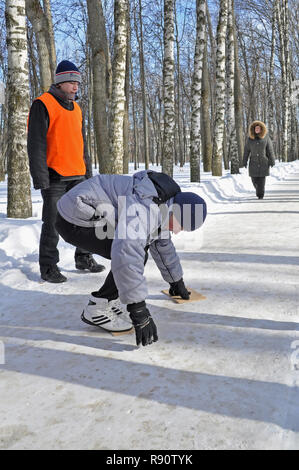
(221, 375)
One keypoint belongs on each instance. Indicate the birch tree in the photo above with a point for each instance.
(139, 36)
(3, 123)
(180, 149)
(127, 97)
(19, 196)
(39, 23)
(220, 90)
(283, 28)
(168, 88)
(101, 76)
(231, 134)
(206, 138)
(294, 102)
(238, 98)
(271, 71)
(212, 68)
(135, 132)
(196, 91)
(118, 86)
(51, 38)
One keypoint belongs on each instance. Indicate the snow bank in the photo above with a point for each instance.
(19, 239)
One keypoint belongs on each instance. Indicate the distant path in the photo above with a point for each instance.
(249, 268)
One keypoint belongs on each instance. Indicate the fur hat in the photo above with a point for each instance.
(67, 72)
(263, 127)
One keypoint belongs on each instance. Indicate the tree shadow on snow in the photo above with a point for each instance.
(223, 395)
(51, 320)
(196, 318)
(206, 257)
(35, 315)
(256, 212)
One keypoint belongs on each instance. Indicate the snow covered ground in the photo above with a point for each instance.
(225, 372)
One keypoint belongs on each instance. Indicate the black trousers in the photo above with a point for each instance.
(48, 252)
(85, 239)
(259, 184)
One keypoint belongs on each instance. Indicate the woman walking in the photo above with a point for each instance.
(259, 149)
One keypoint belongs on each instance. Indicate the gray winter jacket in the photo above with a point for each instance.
(125, 204)
(259, 150)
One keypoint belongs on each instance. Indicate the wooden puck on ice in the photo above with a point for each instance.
(120, 333)
(194, 296)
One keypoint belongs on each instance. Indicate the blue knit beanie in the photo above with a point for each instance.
(190, 210)
(67, 72)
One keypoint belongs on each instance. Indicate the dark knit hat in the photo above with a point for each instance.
(67, 72)
(190, 210)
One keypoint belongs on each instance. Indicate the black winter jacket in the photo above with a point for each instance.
(38, 125)
(259, 150)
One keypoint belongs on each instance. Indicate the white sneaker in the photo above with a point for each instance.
(107, 315)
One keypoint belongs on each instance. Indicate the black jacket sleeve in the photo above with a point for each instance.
(246, 152)
(38, 124)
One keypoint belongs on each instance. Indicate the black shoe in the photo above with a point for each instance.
(261, 197)
(87, 262)
(53, 275)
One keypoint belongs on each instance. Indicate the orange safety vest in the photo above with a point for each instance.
(65, 146)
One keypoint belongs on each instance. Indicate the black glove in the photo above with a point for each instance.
(145, 328)
(179, 288)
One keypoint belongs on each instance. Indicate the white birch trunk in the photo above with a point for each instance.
(134, 116)
(3, 131)
(118, 86)
(195, 139)
(168, 88)
(178, 97)
(283, 28)
(231, 123)
(271, 122)
(19, 195)
(220, 90)
(127, 101)
(206, 136)
(294, 103)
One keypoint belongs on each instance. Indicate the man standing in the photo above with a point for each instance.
(58, 161)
